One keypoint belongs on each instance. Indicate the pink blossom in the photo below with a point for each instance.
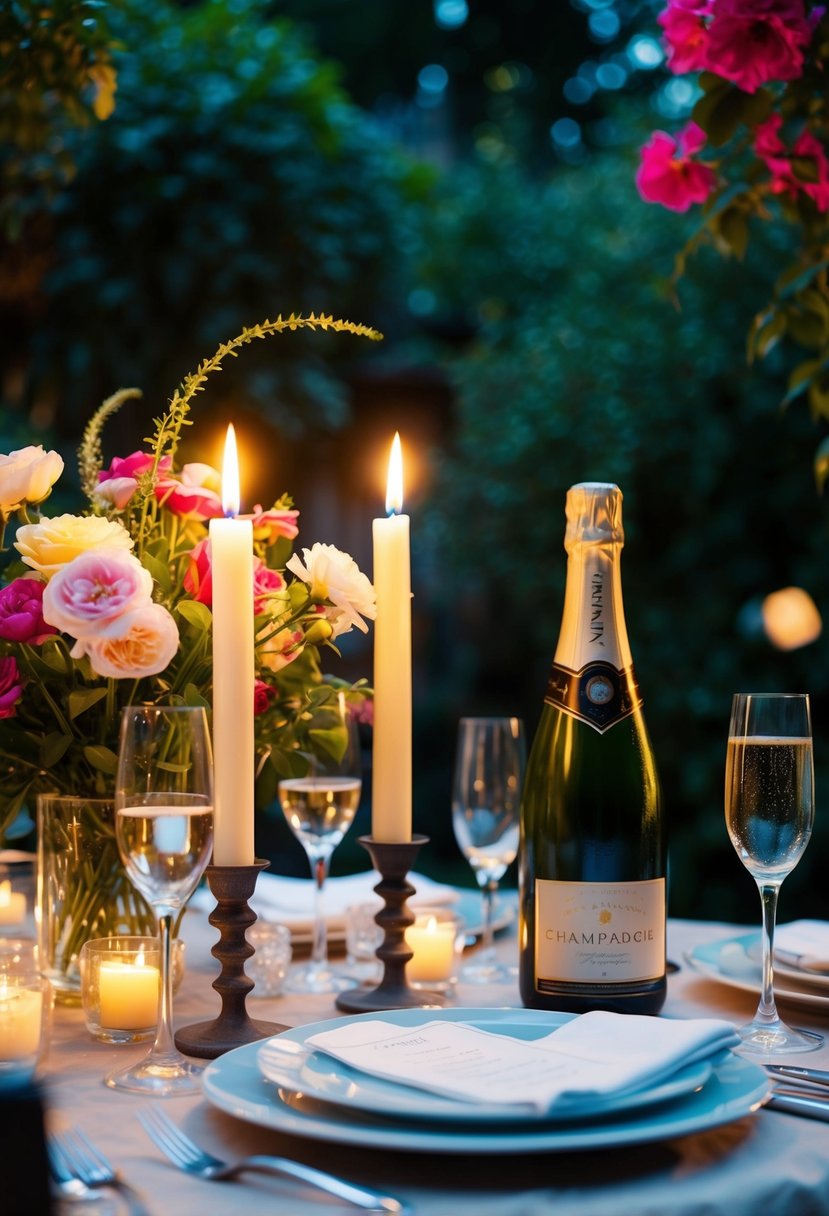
(198, 577)
(778, 159)
(146, 645)
(118, 483)
(21, 612)
(686, 35)
(194, 494)
(92, 593)
(362, 710)
(265, 582)
(11, 687)
(669, 176)
(263, 696)
(270, 525)
(753, 43)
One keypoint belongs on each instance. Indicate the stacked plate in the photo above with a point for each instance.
(801, 963)
(286, 1085)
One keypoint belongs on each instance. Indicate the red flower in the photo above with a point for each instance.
(263, 695)
(11, 687)
(686, 35)
(778, 159)
(198, 578)
(668, 175)
(753, 43)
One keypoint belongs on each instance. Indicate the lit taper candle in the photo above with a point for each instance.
(391, 816)
(231, 549)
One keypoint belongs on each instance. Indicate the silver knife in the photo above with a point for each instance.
(796, 1102)
(795, 1072)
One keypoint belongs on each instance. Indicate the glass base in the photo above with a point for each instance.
(775, 1039)
(158, 1079)
(318, 978)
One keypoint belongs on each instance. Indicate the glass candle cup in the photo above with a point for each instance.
(120, 985)
(25, 1018)
(437, 939)
(362, 937)
(269, 965)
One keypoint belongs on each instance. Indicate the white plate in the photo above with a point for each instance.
(736, 962)
(319, 1076)
(234, 1084)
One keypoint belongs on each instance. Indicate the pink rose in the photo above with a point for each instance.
(686, 35)
(263, 695)
(118, 483)
(194, 494)
(269, 526)
(198, 577)
(753, 43)
(778, 160)
(21, 612)
(668, 175)
(265, 582)
(147, 643)
(11, 687)
(91, 594)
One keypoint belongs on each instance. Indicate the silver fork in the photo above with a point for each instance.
(187, 1155)
(73, 1156)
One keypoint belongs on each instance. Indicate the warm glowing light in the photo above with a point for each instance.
(231, 496)
(791, 618)
(394, 484)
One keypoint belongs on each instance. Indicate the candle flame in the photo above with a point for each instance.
(231, 496)
(5, 894)
(394, 485)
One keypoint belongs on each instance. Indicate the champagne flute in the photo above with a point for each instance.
(319, 808)
(486, 799)
(769, 810)
(164, 828)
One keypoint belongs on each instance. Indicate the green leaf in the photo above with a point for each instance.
(197, 615)
(733, 229)
(821, 465)
(53, 748)
(331, 741)
(767, 329)
(101, 758)
(819, 397)
(83, 699)
(159, 570)
(801, 377)
(54, 658)
(194, 698)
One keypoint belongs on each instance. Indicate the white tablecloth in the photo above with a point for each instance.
(769, 1163)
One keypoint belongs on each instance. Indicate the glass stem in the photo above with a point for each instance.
(319, 950)
(768, 896)
(164, 1049)
(488, 891)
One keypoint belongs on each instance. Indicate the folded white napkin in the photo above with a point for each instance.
(804, 944)
(595, 1056)
(291, 900)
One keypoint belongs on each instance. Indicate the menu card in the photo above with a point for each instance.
(595, 1055)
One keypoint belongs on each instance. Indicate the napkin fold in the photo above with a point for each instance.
(803, 944)
(291, 900)
(593, 1057)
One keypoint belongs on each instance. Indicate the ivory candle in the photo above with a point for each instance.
(391, 812)
(21, 1014)
(433, 943)
(231, 548)
(128, 993)
(12, 905)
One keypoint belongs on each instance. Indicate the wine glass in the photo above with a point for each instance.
(164, 828)
(319, 808)
(486, 799)
(769, 809)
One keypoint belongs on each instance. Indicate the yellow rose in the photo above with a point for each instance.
(27, 475)
(50, 544)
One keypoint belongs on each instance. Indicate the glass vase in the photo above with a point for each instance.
(82, 887)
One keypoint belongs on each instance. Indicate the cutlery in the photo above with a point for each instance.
(187, 1155)
(796, 1072)
(73, 1156)
(799, 1102)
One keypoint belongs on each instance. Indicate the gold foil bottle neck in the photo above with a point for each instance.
(594, 515)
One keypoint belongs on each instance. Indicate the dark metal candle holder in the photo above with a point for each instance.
(393, 861)
(232, 916)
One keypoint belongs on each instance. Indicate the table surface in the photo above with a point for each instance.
(767, 1162)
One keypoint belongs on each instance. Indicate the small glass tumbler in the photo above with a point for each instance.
(362, 937)
(269, 965)
(25, 1020)
(437, 939)
(119, 986)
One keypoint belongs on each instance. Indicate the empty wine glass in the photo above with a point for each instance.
(164, 828)
(489, 769)
(319, 808)
(769, 810)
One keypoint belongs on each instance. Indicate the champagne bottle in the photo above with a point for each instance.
(592, 852)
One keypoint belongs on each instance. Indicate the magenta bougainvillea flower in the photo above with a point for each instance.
(669, 175)
(685, 29)
(752, 44)
(807, 151)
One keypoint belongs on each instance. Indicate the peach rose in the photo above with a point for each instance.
(147, 646)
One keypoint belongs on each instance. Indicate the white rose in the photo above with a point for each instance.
(53, 543)
(335, 577)
(147, 646)
(27, 475)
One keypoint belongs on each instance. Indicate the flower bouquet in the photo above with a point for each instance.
(112, 606)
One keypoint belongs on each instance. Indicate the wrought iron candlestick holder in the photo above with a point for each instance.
(393, 861)
(233, 887)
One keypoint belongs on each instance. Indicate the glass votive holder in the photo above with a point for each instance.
(437, 939)
(120, 979)
(362, 937)
(18, 956)
(269, 965)
(25, 1019)
(15, 900)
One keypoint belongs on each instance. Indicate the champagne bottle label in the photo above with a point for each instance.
(601, 933)
(599, 694)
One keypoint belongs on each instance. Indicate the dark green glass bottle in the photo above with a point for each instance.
(592, 852)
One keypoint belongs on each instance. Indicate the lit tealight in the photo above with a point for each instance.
(791, 618)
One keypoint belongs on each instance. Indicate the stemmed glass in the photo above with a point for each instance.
(769, 810)
(164, 828)
(319, 808)
(486, 799)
